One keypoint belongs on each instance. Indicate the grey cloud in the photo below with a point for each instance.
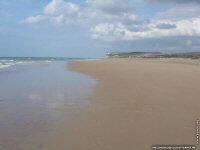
(137, 28)
(178, 12)
(136, 21)
(175, 1)
(166, 26)
(109, 6)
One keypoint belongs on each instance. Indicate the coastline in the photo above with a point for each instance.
(138, 103)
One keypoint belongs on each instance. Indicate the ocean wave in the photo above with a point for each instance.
(4, 66)
(6, 63)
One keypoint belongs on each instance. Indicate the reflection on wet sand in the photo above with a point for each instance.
(38, 102)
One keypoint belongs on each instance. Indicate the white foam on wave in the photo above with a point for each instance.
(4, 66)
(8, 63)
(4, 60)
(20, 62)
(47, 61)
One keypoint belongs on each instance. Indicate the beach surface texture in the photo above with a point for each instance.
(138, 103)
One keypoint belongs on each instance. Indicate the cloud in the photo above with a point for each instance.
(114, 20)
(60, 6)
(91, 11)
(33, 19)
(103, 31)
(176, 1)
(166, 26)
(56, 12)
(178, 12)
(179, 28)
(110, 6)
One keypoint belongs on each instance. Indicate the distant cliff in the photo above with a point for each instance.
(192, 55)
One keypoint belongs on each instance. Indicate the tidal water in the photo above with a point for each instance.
(35, 97)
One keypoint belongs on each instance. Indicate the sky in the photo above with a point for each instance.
(93, 28)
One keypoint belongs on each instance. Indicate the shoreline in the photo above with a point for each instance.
(138, 103)
(39, 103)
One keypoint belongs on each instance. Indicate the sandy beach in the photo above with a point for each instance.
(100, 75)
(138, 103)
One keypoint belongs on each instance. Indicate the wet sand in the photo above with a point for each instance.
(137, 103)
(39, 101)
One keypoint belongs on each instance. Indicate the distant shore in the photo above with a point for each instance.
(189, 55)
(138, 103)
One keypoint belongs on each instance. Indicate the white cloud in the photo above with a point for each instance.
(92, 11)
(60, 19)
(103, 30)
(52, 7)
(56, 12)
(182, 28)
(114, 20)
(33, 19)
(60, 6)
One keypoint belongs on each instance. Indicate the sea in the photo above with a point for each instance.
(7, 62)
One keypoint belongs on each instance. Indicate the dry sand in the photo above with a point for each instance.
(138, 103)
